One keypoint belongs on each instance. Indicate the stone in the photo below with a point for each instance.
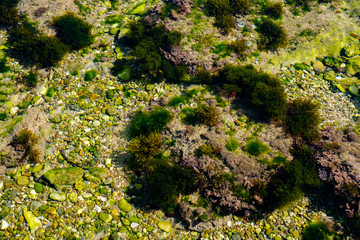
(318, 67)
(258, 230)
(4, 224)
(330, 76)
(98, 172)
(353, 66)
(340, 88)
(23, 180)
(39, 188)
(105, 217)
(64, 176)
(58, 196)
(96, 123)
(33, 222)
(35, 205)
(354, 90)
(352, 49)
(73, 196)
(114, 31)
(51, 210)
(111, 111)
(165, 226)
(125, 73)
(134, 225)
(56, 119)
(124, 205)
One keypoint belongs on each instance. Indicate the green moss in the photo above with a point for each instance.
(3, 116)
(206, 150)
(318, 230)
(31, 79)
(73, 30)
(145, 147)
(146, 122)
(208, 115)
(51, 92)
(3, 67)
(274, 10)
(28, 141)
(232, 144)
(8, 13)
(272, 35)
(303, 119)
(176, 100)
(90, 75)
(9, 126)
(256, 148)
(240, 46)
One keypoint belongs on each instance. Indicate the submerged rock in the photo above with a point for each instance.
(33, 222)
(165, 226)
(64, 176)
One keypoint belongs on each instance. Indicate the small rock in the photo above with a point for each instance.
(35, 205)
(318, 67)
(124, 205)
(39, 188)
(165, 226)
(4, 225)
(134, 225)
(105, 217)
(58, 196)
(96, 123)
(23, 180)
(111, 111)
(258, 230)
(33, 222)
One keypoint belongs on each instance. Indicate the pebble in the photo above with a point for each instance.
(96, 123)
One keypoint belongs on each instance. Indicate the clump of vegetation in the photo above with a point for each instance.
(8, 13)
(208, 115)
(206, 150)
(296, 177)
(255, 147)
(145, 147)
(3, 67)
(73, 31)
(303, 119)
(261, 90)
(167, 181)
(90, 75)
(31, 46)
(203, 76)
(272, 35)
(146, 41)
(232, 144)
(147, 122)
(318, 230)
(274, 10)
(223, 10)
(305, 5)
(31, 79)
(27, 140)
(274, 162)
(3, 116)
(240, 46)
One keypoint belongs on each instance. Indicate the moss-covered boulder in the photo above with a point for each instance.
(64, 176)
(98, 172)
(353, 66)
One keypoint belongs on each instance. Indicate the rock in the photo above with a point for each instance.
(330, 76)
(96, 123)
(352, 49)
(58, 196)
(98, 172)
(353, 66)
(354, 90)
(125, 73)
(64, 176)
(105, 217)
(23, 180)
(134, 225)
(73, 196)
(114, 31)
(165, 226)
(111, 111)
(4, 224)
(56, 119)
(318, 67)
(35, 205)
(124, 205)
(258, 230)
(38, 187)
(33, 222)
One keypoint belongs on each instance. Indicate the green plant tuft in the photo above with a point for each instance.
(256, 148)
(145, 147)
(272, 35)
(232, 144)
(31, 79)
(73, 30)
(147, 122)
(28, 141)
(303, 119)
(208, 115)
(90, 75)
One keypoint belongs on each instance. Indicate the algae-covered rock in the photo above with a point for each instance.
(318, 67)
(353, 66)
(23, 180)
(33, 222)
(98, 172)
(124, 205)
(64, 176)
(125, 73)
(165, 226)
(139, 9)
(354, 90)
(352, 49)
(105, 217)
(330, 76)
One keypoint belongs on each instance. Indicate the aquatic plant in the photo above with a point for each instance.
(29, 45)
(207, 114)
(318, 230)
(146, 122)
(27, 140)
(272, 35)
(206, 150)
(303, 119)
(203, 76)
(90, 75)
(232, 144)
(31, 79)
(73, 30)
(240, 46)
(8, 16)
(145, 147)
(274, 10)
(256, 148)
(225, 22)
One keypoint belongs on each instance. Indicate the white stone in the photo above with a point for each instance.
(97, 208)
(134, 225)
(14, 110)
(42, 90)
(4, 224)
(96, 123)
